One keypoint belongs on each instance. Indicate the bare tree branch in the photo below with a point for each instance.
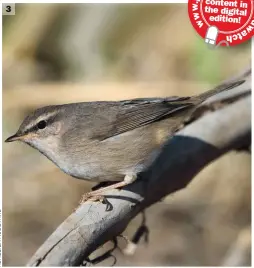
(216, 132)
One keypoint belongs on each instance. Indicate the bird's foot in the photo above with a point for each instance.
(96, 198)
(97, 195)
(92, 197)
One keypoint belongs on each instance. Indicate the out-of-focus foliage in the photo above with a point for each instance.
(59, 53)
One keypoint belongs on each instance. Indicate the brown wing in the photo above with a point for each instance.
(135, 113)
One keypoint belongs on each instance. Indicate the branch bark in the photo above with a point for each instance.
(181, 158)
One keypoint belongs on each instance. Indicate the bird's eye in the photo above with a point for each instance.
(42, 124)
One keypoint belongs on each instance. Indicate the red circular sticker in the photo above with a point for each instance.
(222, 22)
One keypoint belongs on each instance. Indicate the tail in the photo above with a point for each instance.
(227, 85)
(220, 88)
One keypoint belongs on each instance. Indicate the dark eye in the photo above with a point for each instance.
(42, 124)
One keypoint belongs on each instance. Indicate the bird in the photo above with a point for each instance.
(108, 141)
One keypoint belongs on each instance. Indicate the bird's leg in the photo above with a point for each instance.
(102, 185)
(97, 195)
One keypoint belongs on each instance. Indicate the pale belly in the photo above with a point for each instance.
(113, 158)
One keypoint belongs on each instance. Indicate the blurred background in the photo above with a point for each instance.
(61, 53)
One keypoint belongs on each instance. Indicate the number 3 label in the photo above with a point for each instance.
(8, 9)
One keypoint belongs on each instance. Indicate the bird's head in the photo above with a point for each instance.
(40, 129)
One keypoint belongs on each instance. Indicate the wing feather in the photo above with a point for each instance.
(140, 112)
